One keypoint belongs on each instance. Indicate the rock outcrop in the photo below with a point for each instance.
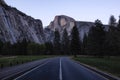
(61, 22)
(83, 27)
(15, 26)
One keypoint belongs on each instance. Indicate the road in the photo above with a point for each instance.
(7, 73)
(60, 68)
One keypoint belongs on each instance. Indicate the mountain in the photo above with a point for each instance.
(61, 22)
(16, 26)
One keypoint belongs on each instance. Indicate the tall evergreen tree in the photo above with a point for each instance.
(75, 41)
(65, 42)
(118, 37)
(112, 21)
(23, 47)
(49, 48)
(118, 23)
(1, 45)
(96, 37)
(84, 45)
(57, 45)
(6, 49)
(101, 37)
(111, 38)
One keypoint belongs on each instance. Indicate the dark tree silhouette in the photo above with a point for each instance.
(118, 23)
(118, 37)
(111, 38)
(112, 21)
(23, 47)
(84, 45)
(65, 42)
(57, 45)
(75, 41)
(1, 45)
(6, 49)
(96, 38)
(49, 48)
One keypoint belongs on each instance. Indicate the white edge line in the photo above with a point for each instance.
(60, 71)
(31, 70)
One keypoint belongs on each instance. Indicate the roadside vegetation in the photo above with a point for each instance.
(109, 64)
(15, 60)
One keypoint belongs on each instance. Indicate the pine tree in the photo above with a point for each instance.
(6, 49)
(96, 37)
(118, 37)
(91, 43)
(112, 21)
(118, 23)
(1, 45)
(84, 45)
(49, 48)
(111, 39)
(65, 42)
(57, 45)
(23, 47)
(101, 34)
(75, 41)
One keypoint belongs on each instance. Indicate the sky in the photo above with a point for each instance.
(80, 10)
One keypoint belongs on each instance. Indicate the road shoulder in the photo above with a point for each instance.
(102, 73)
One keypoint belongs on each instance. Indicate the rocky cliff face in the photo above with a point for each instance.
(83, 27)
(15, 25)
(61, 22)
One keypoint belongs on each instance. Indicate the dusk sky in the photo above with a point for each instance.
(80, 10)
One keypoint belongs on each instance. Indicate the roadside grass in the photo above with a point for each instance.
(108, 64)
(15, 60)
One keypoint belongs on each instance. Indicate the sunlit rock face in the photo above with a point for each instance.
(15, 25)
(49, 35)
(61, 22)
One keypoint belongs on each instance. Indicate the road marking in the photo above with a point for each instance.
(31, 70)
(60, 71)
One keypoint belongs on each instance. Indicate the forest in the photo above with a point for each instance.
(97, 42)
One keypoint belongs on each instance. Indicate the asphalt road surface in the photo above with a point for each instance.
(60, 68)
(8, 72)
